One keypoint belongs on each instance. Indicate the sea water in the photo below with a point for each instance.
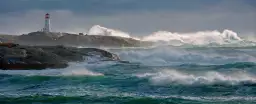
(159, 75)
(202, 68)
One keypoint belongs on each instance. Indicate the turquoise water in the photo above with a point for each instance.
(163, 75)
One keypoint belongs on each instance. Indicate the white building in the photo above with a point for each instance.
(47, 23)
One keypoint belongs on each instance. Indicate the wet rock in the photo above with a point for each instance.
(42, 57)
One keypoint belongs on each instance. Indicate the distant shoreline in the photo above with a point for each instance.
(68, 39)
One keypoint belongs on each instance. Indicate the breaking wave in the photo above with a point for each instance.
(198, 38)
(73, 70)
(201, 38)
(99, 30)
(172, 77)
(129, 99)
(176, 56)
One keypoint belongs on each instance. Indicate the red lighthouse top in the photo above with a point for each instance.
(47, 15)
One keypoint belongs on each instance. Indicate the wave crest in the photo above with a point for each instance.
(170, 77)
(176, 56)
(201, 38)
(198, 38)
(99, 30)
(73, 70)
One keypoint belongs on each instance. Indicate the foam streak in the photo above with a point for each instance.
(167, 77)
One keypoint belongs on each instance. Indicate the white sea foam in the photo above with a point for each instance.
(197, 38)
(80, 72)
(99, 30)
(169, 56)
(215, 37)
(210, 98)
(73, 70)
(172, 77)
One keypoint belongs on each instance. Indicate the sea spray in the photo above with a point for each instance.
(198, 38)
(99, 30)
(174, 77)
(201, 38)
(73, 70)
(157, 74)
(142, 78)
(176, 56)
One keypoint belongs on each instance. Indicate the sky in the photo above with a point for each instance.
(137, 17)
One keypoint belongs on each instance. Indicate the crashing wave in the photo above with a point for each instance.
(198, 38)
(99, 30)
(167, 77)
(160, 56)
(75, 69)
(201, 38)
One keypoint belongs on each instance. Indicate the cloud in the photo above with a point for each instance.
(140, 19)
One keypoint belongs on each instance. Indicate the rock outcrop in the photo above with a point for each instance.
(67, 39)
(41, 57)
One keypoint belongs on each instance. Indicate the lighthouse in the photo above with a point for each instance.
(47, 23)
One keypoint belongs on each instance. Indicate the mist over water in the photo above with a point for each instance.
(200, 38)
(167, 55)
(99, 30)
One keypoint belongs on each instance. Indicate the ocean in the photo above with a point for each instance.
(200, 68)
(148, 75)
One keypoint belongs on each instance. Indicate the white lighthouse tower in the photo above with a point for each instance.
(47, 23)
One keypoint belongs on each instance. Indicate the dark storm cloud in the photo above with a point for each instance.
(135, 16)
(111, 6)
(90, 6)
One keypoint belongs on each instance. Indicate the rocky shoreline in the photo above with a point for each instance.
(21, 57)
(67, 39)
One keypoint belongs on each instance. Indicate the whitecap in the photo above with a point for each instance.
(99, 30)
(174, 77)
(75, 69)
